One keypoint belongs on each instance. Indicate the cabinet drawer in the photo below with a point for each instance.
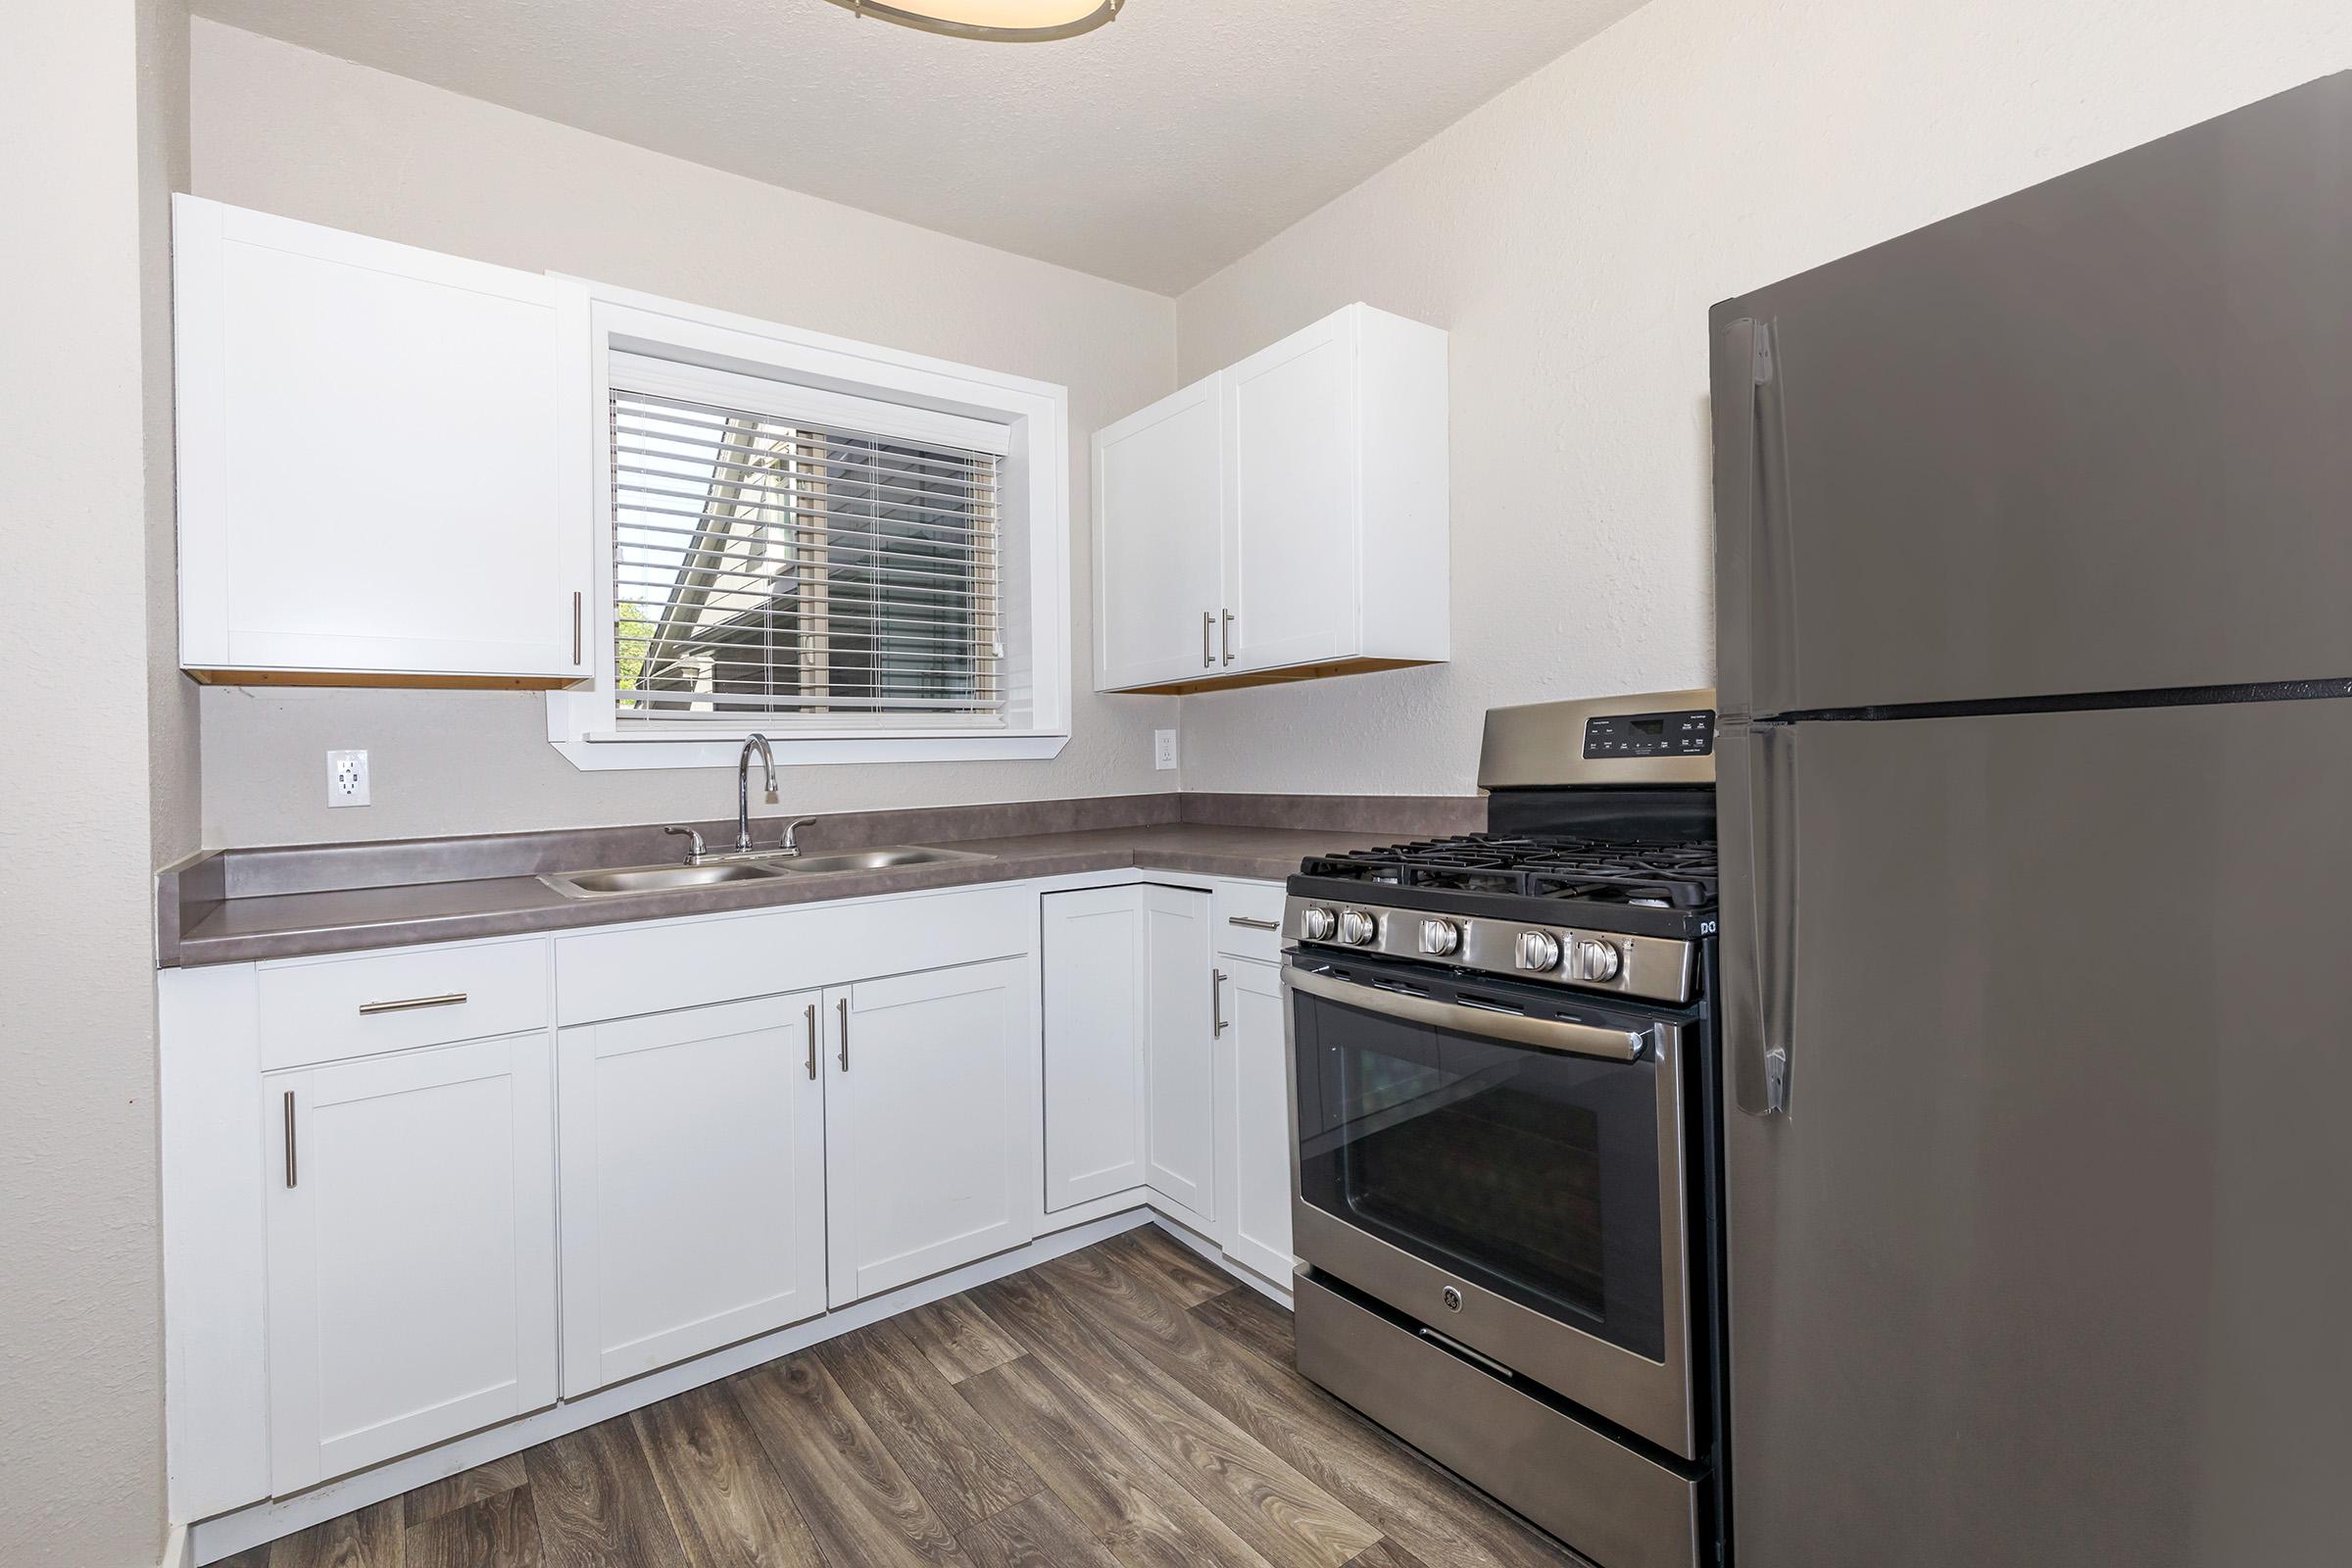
(325, 1009)
(1248, 920)
(625, 970)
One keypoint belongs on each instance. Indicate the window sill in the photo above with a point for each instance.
(611, 752)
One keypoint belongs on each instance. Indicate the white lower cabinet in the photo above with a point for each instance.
(931, 1122)
(1178, 982)
(693, 1173)
(411, 1245)
(728, 1165)
(1257, 1228)
(1095, 1030)
(1131, 1058)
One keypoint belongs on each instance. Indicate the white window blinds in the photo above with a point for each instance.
(797, 571)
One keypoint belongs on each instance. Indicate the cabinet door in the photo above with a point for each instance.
(1095, 1032)
(1177, 985)
(373, 446)
(1257, 1232)
(693, 1170)
(1158, 498)
(933, 1142)
(1291, 558)
(412, 1225)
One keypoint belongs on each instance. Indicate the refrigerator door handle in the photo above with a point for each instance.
(1760, 990)
(1755, 571)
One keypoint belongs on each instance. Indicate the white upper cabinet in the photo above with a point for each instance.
(374, 482)
(1302, 530)
(1160, 497)
(1292, 487)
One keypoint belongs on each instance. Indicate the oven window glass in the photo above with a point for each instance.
(1529, 1173)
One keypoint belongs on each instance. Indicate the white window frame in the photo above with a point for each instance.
(1034, 499)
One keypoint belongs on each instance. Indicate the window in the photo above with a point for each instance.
(862, 555)
(779, 568)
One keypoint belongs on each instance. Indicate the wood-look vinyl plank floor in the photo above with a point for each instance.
(1126, 1407)
(726, 1501)
(1132, 1506)
(1286, 1518)
(962, 1465)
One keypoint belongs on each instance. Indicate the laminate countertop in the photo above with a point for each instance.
(199, 929)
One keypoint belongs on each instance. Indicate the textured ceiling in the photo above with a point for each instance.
(1153, 151)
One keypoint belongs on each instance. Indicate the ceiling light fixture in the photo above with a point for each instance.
(1001, 21)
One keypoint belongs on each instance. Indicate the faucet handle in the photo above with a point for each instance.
(694, 855)
(791, 846)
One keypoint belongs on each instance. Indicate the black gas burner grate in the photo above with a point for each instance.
(1678, 874)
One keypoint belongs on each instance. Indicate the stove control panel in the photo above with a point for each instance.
(1659, 968)
(1611, 736)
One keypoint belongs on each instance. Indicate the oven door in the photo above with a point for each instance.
(1502, 1163)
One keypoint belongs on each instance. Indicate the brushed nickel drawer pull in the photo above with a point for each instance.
(812, 1042)
(411, 1004)
(1208, 632)
(844, 1034)
(575, 628)
(289, 1138)
(1216, 1001)
(1252, 923)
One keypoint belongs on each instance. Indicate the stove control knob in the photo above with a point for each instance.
(1539, 951)
(1358, 929)
(1316, 923)
(1438, 938)
(1598, 960)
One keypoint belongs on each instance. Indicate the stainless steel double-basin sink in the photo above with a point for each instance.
(619, 881)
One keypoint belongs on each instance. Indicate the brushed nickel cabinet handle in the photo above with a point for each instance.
(1229, 636)
(289, 1138)
(1208, 633)
(1252, 923)
(1216, 1001)
(454, 998)
(812, 1042)
(575, 628)
(845, 1032)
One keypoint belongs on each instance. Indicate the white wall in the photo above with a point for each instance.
(290, 132)
(1572, 234)
(97, 782)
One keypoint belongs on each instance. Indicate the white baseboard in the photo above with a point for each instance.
(224, 1536)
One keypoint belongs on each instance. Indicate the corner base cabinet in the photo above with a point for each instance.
(411, 1229)
(1284, 519)
(1131, 1078)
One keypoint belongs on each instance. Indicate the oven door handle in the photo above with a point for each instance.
(1516, 1028)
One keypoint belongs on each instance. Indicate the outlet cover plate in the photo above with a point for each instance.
(346, 778)
(1163, 749)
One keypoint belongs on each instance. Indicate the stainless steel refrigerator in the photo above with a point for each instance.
(2035, 608)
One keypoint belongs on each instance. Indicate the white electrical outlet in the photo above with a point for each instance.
(347, 778)
(1163, 749)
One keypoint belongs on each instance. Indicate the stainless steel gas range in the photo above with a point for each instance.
(1504, 1067)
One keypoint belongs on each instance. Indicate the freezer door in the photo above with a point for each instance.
(2046, 1259)
(2088, 438)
